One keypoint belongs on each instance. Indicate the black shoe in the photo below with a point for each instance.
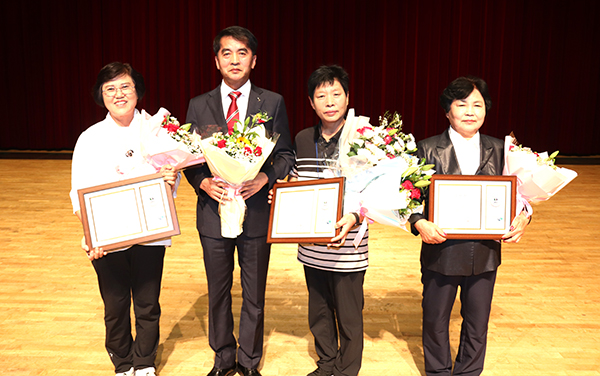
(223, 372)
(248, 371)
(320, 372)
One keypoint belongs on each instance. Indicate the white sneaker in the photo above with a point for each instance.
(128, 373)
(150, 371)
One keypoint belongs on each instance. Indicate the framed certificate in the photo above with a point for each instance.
(128, 212)
(472, 206)
(306, 211)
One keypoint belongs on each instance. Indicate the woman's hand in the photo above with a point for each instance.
(345, 223)
(217, 190)
(169, 174)
(430, 232)
(95, 253)
(250, 187)
(517, 228)
(270, 196)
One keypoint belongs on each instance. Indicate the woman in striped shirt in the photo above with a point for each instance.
(334, 272)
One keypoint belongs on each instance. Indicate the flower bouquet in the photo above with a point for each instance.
(164, 141)
(393, 195)
(363, 146)
(235, 158)
(538, 178)
(383, 179)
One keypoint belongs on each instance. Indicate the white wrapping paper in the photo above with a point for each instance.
(234, 172)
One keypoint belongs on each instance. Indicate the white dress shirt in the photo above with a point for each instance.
(468, 152)
(242, 101)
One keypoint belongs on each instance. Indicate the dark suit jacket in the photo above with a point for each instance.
(205, 112)
(459, 257)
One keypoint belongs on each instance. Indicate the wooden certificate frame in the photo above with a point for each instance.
(120, 214)
(473, 206)
(306, 211)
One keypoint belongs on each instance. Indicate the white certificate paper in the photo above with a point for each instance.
(305, 211)
(128, 212)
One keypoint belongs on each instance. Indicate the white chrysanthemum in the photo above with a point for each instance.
(368, 133)
(379, 154)
(411, 145)
(377, 140)
(369, 146)
(364, 152)
(399, 145)
(360, 142)
(404, 199)
(373, 159)
(390, 149)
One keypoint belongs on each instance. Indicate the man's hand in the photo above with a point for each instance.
(430, 232)
(217, 190)
(250, 187)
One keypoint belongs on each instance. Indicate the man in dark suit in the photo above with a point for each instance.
(235, 50)
(470, 264)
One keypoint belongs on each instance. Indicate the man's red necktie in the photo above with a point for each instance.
(233, 114)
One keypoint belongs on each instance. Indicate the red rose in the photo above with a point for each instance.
(258, 151)
(221, 144)
(387, 139)
(415, 193)
(247, 150)
(408, 185)
(171, 127)
(361, 130)
(260, 121)
(390, 156)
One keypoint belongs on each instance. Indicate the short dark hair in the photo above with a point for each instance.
(461, 88)
(327, 74)
(238, 33)
(113, 70)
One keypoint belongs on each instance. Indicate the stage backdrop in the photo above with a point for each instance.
(539, 57)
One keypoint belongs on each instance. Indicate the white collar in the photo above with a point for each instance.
(244, 89)
(458, 140)
(136, 117)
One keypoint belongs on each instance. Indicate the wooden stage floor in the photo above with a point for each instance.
(545, 316)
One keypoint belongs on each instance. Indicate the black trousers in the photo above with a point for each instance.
(439, 294)
(335, 305)
(253, 259)
(136, 274)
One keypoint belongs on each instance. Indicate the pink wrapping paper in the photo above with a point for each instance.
(159, 148)
(536, 180)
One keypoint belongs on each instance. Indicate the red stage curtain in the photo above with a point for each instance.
(540, 59)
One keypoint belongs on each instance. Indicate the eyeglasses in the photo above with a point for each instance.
(111, 91)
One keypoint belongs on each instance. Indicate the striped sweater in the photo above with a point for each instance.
(316, 159)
